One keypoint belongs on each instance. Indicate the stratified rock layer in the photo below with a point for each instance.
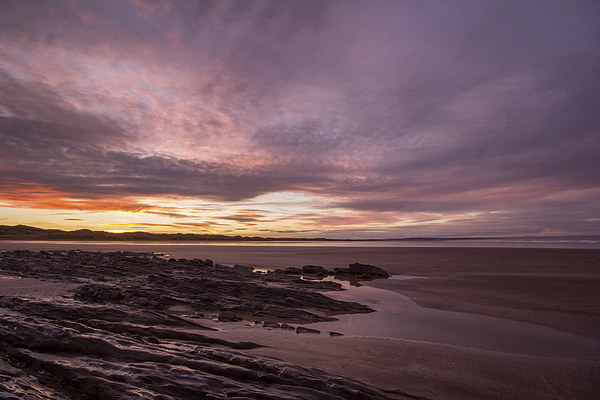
(119, 338)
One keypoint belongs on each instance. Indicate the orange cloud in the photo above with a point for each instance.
(197, 224)
(37, 196)
(140, 224)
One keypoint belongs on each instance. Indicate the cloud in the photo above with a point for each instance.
(138, 224)
(386, 108)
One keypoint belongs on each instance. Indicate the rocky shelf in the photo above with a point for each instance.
(133, 326)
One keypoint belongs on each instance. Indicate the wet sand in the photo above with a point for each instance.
(553, 287)
(559, 288)
(429, 370)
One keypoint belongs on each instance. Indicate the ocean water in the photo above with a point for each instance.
(567, 242)
(273, 254)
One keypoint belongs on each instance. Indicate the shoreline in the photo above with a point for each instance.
(407, 368)
(559, 288)
(125, 325)
(430, 370)
(435, 294)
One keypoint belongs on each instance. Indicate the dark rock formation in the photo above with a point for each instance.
(289, 271)
(66, 359)
(302, 329)
(228, 316)
(363, 271)
(121, 338)
(98, 293)
(271, 324)
(243, 269)
(314, 269)
(150, 282)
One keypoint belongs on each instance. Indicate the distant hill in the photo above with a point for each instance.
(24, 232)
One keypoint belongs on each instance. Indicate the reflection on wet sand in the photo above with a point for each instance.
(397, 316)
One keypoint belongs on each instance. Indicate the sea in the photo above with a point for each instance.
(299, 253)
(567, 242)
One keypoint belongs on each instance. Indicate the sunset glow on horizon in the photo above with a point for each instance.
(334, 119)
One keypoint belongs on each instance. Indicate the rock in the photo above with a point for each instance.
(152, 340)
(124, 338)
(363, 270)
(302, 329)
(314, 269)
(243, 269)
(228, 316)
(334, 334)
(98, 293)
(55, 359)
(144, 281)
(270, 324)
(289, 271)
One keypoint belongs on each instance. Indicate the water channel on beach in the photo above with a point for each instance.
(397, 316)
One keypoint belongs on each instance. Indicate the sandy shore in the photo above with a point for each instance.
(556, 288)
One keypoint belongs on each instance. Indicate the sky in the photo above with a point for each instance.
(339, 119)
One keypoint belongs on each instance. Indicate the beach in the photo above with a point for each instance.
(316, 200)
(558, 288)
(553, 291)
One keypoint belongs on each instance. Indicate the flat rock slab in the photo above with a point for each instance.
(33, 287)
(143, 280)
(112, 332)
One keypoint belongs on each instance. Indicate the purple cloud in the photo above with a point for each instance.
(386, 107)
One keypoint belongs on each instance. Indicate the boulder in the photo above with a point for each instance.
(364, 271)
(228, 316)
(314, 269)
(271, 324)
(288, 327)
(98, 293)
(289, 271)
(243, 269)
(302, 329)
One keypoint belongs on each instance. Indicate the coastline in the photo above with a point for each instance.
(469, 280)
(431, 370)
(559, 288)
(555, 302)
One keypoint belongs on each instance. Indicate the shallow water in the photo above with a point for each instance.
(399, 317)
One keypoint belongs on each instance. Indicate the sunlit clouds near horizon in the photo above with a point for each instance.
(353, 119)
